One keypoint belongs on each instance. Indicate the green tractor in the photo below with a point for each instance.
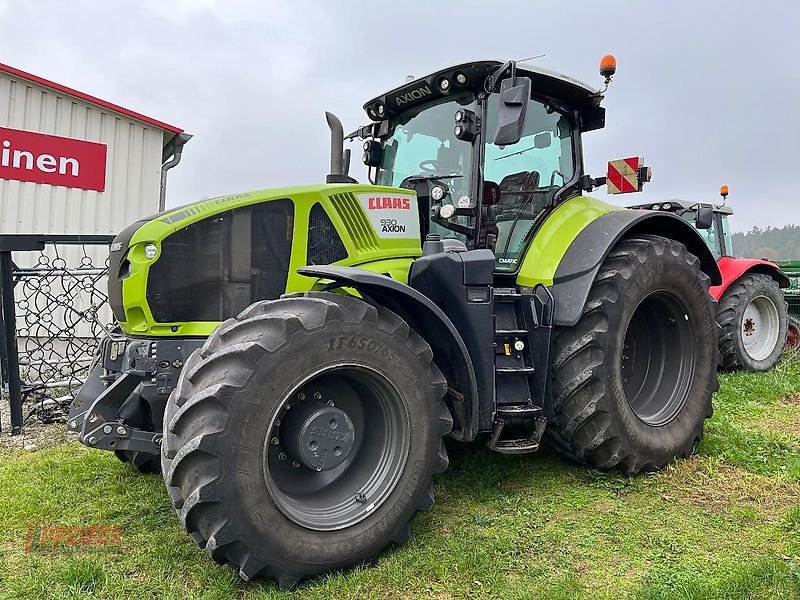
(292, 359)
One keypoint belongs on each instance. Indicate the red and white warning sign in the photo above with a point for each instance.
(623, 175)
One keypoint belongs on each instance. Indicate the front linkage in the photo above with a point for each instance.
(121, 406)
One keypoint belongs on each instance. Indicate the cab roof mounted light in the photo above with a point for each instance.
(608, 66)
(460, 78)
(723, 191)
(444, 85)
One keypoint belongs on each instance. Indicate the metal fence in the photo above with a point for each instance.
(54, 310)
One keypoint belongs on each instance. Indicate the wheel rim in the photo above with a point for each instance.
(658, 358)
(326, 492)
(760, 326)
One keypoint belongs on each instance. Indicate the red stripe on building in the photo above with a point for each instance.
(88, 98)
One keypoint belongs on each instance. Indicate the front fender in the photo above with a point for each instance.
(733, 268)
(430, 322)
(579, 266)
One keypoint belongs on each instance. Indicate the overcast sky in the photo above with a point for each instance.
(707, 92)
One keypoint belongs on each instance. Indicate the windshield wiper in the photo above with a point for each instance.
(429, 177)
(515, 153)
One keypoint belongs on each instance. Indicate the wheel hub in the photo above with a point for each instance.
(318, 436)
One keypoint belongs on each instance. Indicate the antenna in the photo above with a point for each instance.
(532, 57)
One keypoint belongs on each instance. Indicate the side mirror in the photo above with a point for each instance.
(373, 153)
(704, 218)
(514, 95)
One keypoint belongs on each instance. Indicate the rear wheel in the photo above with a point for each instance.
(633, 379)
(304, 435)
(754, 319)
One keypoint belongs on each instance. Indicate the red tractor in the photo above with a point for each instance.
(752, 311)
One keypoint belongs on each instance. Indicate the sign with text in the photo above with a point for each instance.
(53, 160)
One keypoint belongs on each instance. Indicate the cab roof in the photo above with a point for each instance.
(423, 89)
(674, 205)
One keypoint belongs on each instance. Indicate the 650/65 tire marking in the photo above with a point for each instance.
(365, 344)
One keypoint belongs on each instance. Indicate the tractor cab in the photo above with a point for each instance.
(710, 220)
(490, 148)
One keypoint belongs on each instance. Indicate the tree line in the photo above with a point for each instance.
(772, 243)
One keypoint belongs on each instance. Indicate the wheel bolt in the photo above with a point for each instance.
(282, 456)
(319, 469)
(360, 498)
(274, 441)
(296, 465)
(317, 396)
(301, 396)
(330, 402)
(287, 406)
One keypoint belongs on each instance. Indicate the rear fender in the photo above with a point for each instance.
(579, 266)
(733, 268)
(431, 323)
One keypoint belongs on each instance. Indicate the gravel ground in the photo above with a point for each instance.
(35, 434)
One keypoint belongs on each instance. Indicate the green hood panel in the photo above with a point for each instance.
(378, 226)
(555, 236)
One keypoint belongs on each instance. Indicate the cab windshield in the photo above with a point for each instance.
(421, 144)
(521, 179)
(712, 235)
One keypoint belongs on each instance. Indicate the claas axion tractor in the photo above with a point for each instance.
(292, 359)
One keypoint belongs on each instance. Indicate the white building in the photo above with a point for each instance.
(71, 163)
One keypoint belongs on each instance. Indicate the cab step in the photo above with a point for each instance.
(515, 370)
(519, 415)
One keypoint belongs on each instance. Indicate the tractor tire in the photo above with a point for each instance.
(633, 379)
(143, 462)
(754, 318)
(303, 436)
(793, 337)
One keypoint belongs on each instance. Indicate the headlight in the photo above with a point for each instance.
(447, 211)
(150, 250)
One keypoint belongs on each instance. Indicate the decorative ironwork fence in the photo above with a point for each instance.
(54, 312)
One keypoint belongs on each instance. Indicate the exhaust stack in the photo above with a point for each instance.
(340, 161)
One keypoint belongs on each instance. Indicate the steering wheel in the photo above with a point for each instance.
(428, 166)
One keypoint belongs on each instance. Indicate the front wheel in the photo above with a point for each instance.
(303, 436)
(633, 379)
(754, 319)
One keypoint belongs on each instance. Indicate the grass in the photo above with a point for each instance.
(723, 524)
